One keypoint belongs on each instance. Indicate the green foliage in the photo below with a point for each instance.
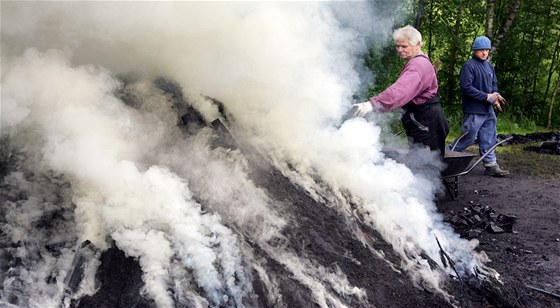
(451, 27)
(508, 124)
(523, 62)
(382, 58)
(526, 60)
(454, 118)
(385, 65)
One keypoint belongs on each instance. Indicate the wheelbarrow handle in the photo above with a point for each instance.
(481, 158)
(456, 141)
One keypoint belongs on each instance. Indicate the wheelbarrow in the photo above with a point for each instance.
(459, 163)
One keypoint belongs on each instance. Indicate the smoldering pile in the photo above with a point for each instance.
(476, 219)
(36, 228)
(41, 249)
(295, 250)
(318, 234)
(545, 142)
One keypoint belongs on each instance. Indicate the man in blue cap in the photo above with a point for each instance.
(479, 93)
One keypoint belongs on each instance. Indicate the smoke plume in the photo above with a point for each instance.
(285, 71)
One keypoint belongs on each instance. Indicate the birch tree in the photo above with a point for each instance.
(490, 9)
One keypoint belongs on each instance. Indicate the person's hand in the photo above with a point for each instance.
(497, 106)
(499, 103)
(492, 97)
(501, 99)
(361, 109)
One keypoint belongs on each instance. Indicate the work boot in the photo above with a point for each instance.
(495, 171)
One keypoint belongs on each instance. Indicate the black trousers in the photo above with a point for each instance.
(427, 124)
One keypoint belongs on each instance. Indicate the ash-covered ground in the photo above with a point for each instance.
(526, 252)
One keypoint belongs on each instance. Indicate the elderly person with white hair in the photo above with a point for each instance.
(416, 91)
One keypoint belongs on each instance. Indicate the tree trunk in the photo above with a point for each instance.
(544, 33)
(453, 57)
(555, 59)
(490, 5)
(509, 21)
(549, 121)
(536, 70)
(420, 14)
(431, 30)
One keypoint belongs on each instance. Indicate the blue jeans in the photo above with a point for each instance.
(482, 126)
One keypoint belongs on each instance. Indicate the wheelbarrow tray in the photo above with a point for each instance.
(459, 163)
(456, 162)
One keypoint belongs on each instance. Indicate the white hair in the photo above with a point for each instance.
(408, 33)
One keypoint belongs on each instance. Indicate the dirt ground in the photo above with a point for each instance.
(528, 257)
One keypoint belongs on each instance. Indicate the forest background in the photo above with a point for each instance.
(525, 37)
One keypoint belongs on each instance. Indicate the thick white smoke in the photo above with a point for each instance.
(285, 71)
(149, 211)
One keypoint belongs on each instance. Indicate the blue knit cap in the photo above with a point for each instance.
(480, 43)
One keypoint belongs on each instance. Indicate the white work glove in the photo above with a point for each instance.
(362, 109)
(491, 97)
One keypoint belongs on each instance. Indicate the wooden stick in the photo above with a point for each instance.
(544, 291)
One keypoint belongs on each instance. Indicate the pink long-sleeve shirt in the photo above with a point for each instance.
(417, 83)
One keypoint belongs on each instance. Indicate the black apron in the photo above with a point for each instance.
(426, 124)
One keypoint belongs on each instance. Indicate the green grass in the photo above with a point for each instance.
(514, 157)
(519, 161)
(506, 125)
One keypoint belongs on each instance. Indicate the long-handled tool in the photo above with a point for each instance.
(225, 138)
